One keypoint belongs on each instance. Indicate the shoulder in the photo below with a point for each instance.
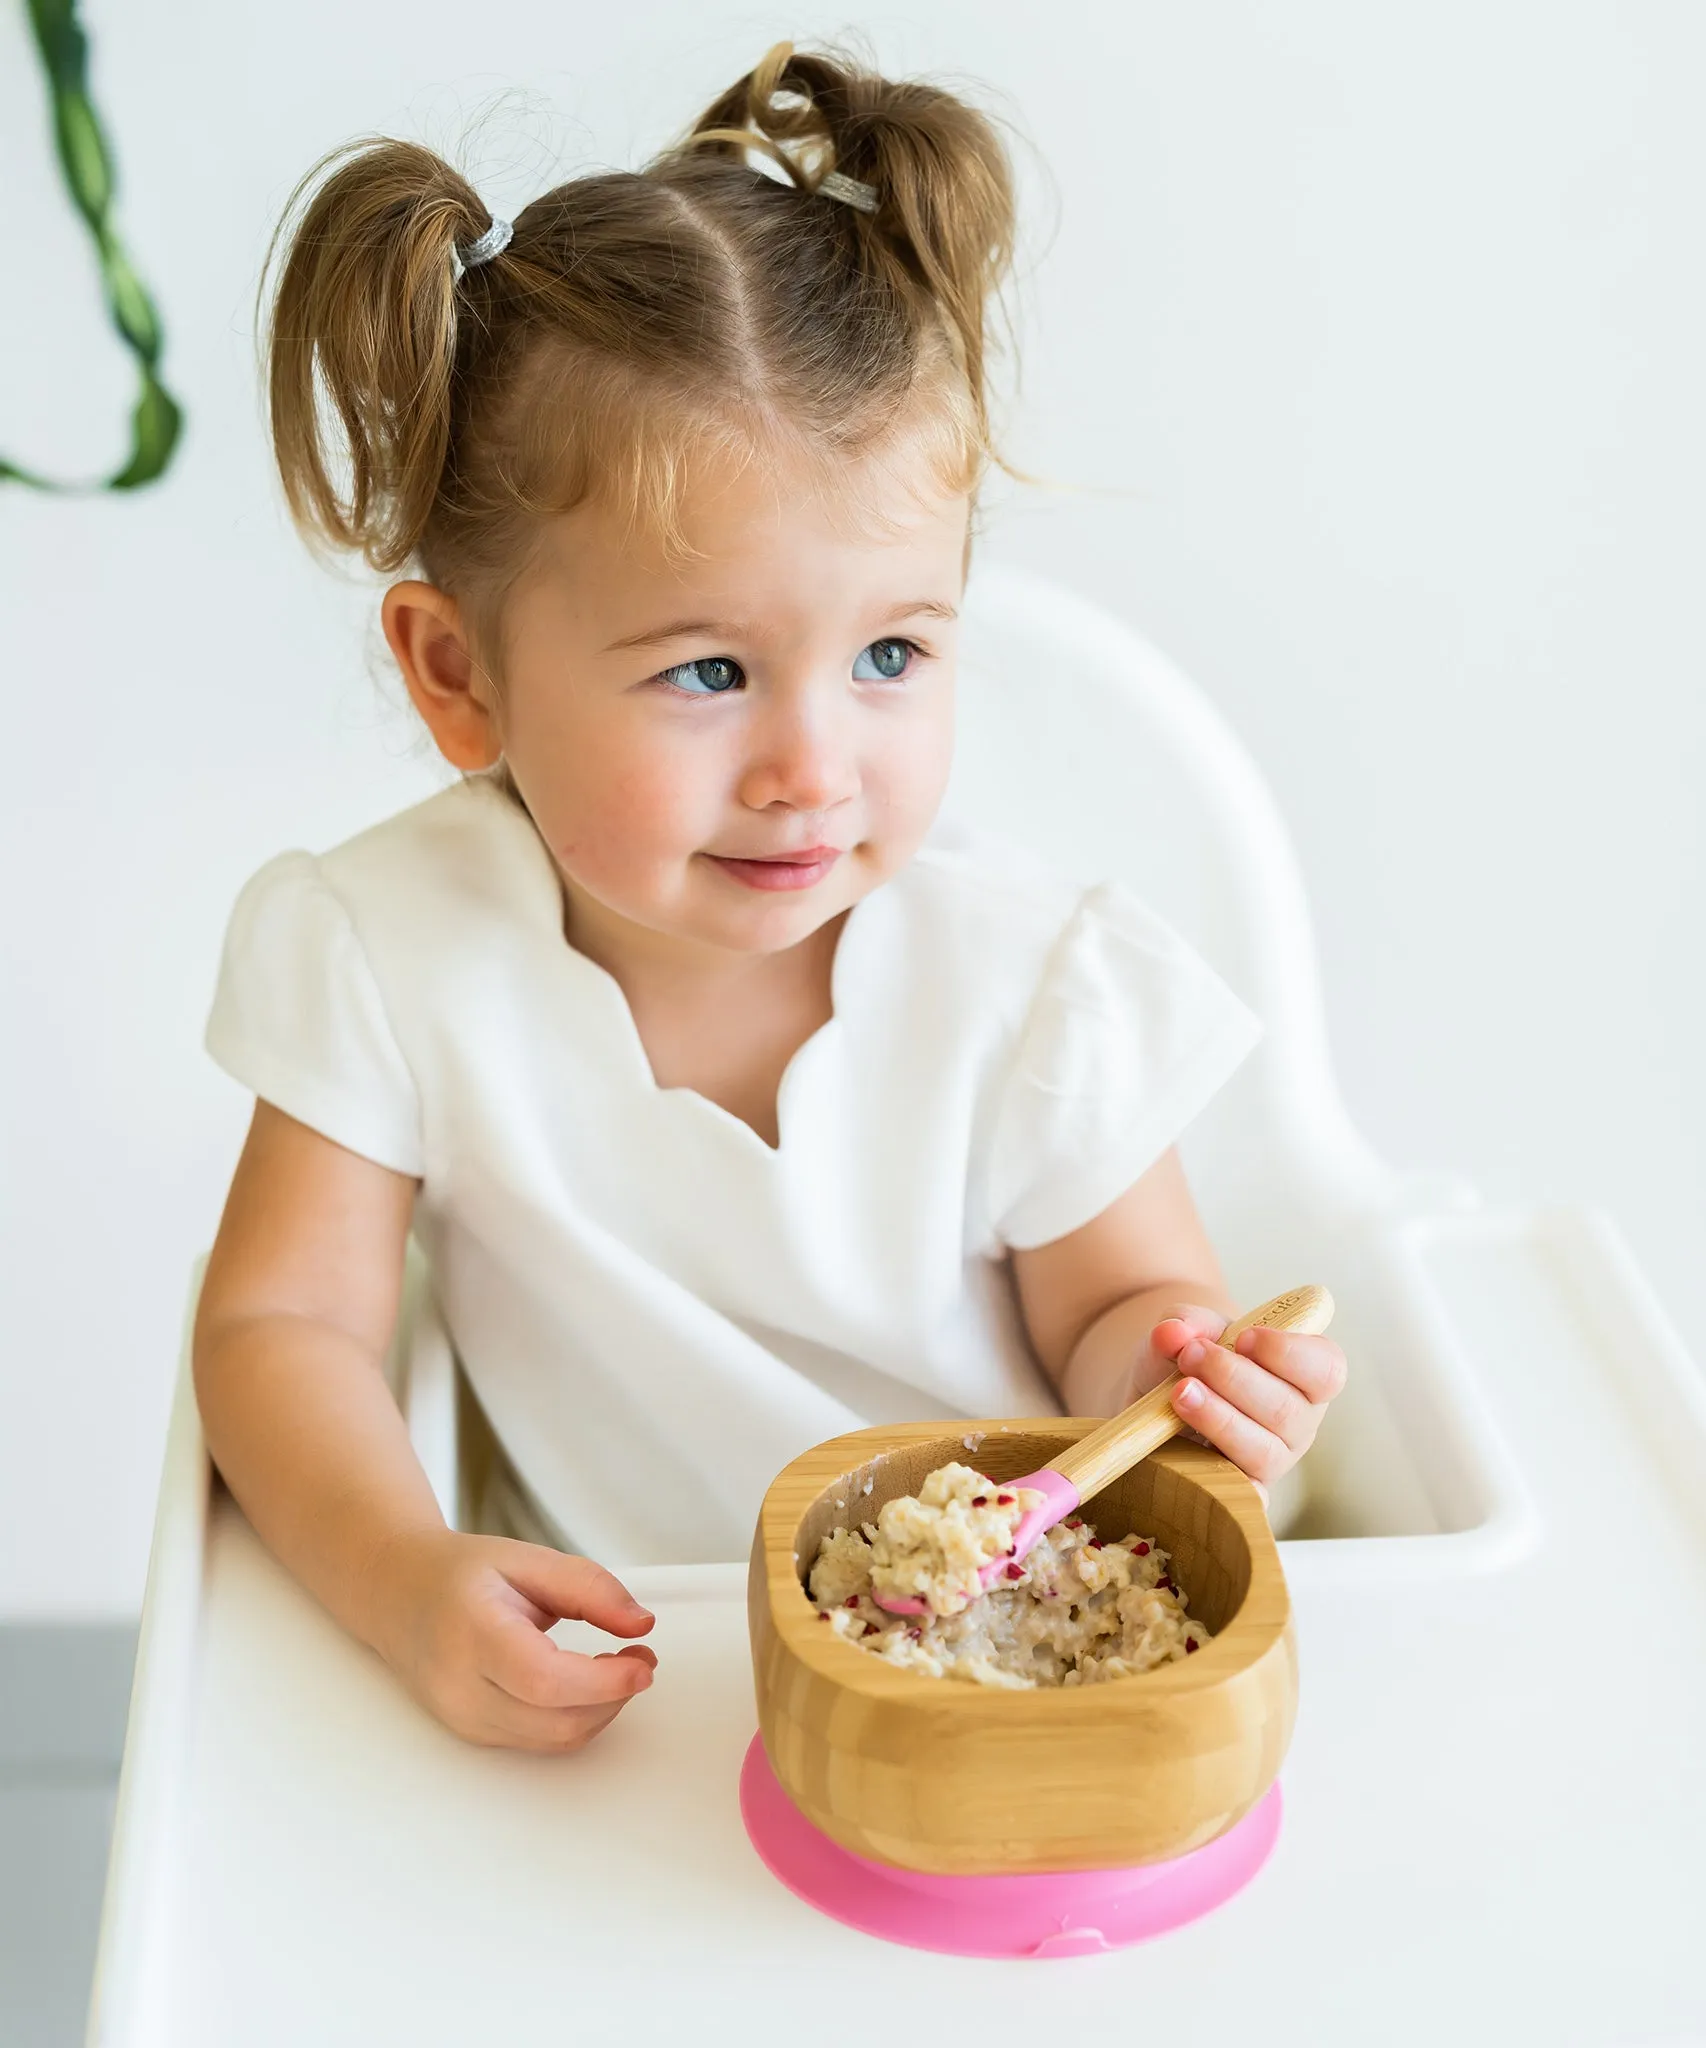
(1072, 977)
(1023, 931)
(986, 909)
(985, 875)
(433, 890)
(413, 852)
(464, 842)
(423, 895)
(391, 878)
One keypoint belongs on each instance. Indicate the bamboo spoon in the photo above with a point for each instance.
(1129, 1437)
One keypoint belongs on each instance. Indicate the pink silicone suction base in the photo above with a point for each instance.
(1064, 1913)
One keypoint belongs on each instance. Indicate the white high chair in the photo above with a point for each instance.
(1487, 1349)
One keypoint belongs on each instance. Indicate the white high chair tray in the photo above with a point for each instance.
(1495, 1825)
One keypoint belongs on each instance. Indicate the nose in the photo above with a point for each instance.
(802, 757)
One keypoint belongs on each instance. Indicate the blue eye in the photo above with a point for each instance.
(716, 673)
(889, 657)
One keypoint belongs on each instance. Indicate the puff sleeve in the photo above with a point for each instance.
(1130, 1035)
(298, 1016)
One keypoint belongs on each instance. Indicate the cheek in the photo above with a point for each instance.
(615, 810)
(913, 763)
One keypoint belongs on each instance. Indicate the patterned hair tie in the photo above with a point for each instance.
(850, 191)
(492, 243)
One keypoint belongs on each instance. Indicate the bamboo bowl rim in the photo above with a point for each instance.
(1260, 1620)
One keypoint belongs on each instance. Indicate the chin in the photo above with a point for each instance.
(774, 931)
(774, 924)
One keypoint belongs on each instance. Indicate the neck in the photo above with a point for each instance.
(672, 969)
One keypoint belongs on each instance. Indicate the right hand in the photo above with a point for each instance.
(462, 1621)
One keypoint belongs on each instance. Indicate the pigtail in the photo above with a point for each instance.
(943, 222)
(361, 346)
(437, 390)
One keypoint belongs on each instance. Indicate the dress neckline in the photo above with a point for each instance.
(546, 907)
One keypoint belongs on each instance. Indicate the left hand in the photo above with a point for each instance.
(1259, 1404)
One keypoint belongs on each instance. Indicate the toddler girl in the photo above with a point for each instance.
(736, 1099)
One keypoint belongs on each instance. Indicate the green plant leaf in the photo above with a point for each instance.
(86, 165)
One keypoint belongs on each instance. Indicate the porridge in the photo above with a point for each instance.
(931, 1546)
(1076, 1610)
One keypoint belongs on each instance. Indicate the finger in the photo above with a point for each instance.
(1175, 1331)
(573, 1587)
(1315, 1366)
(510, 1723)
(530, 1667)
(1251, 1388)
(1257, 1452)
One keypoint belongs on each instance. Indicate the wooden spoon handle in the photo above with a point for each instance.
(1305, 1310)
(1147, 1424)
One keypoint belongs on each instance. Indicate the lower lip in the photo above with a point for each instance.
(776, 874)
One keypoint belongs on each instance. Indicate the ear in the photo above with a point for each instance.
(423, 627)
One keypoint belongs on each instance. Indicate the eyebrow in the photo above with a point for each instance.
(724, 629)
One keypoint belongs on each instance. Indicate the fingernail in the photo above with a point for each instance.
(1246, 1343)
(1190, 1395)
(1194, 1352)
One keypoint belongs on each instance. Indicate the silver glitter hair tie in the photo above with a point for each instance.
(850, 191)
(470, 255)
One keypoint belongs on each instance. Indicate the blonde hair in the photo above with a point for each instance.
(636, 323)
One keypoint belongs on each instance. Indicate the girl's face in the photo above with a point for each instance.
(727, 754)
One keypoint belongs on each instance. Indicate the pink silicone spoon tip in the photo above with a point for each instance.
(1059, 1498)
(1123, 1440)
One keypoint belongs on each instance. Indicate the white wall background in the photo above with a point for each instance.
(1372, 337)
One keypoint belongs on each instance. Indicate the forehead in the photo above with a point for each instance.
(761, 533)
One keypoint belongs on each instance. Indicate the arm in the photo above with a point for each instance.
(296, 1313)
(295, 1316)
(1136, 1293)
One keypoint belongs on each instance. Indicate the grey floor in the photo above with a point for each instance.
(63, 1695)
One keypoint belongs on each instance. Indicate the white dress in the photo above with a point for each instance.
(634, 1281)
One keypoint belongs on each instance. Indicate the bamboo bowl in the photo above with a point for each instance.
(950, 1779)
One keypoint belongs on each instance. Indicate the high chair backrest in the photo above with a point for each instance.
(1079, 739)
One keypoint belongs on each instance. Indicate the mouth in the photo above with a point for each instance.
(796, 870)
